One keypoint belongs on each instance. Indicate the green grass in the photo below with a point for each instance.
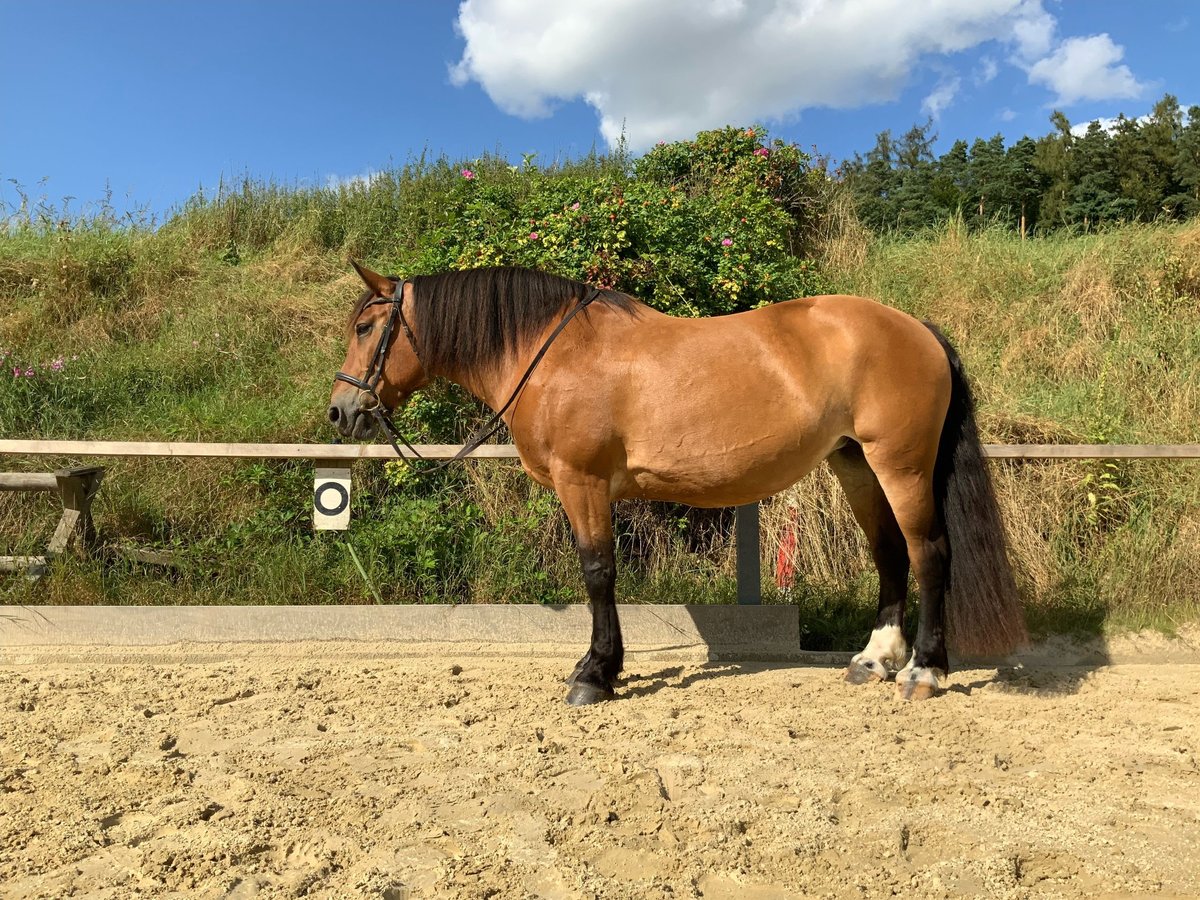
(225, 324)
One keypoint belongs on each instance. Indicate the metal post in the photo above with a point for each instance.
(749, 576)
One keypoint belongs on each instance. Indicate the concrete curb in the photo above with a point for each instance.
(166, 634)
(750, 633)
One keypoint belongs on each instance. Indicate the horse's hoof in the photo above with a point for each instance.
(918, 684)
(584, 694)
(579, 667)
(863, 671)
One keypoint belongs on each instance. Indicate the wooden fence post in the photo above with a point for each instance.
(76, 487)
(746, 540)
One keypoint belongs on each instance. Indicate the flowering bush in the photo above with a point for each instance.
(35, 391)
(700, 227)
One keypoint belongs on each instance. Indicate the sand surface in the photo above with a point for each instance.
(425, 772)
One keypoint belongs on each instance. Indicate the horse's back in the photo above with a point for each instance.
(724, 410)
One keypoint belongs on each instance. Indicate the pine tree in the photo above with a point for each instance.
(1026, 183)
(1186, 168)
(1144, 157)
(1053, 161)
(1135, 169)
(915, 207)
(1095, 196)
(986, 180)
(948, 189)
(873, 182)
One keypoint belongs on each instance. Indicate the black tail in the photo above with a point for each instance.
(983, 610)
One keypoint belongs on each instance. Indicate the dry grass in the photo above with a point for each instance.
(1067, 339)
(1092, 339)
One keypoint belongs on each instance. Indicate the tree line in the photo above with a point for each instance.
(1127, 170)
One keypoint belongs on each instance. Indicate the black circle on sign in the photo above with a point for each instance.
(342, 502)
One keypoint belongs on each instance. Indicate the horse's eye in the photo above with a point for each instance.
(362, 328)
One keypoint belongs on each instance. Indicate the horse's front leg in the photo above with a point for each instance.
(586, 501)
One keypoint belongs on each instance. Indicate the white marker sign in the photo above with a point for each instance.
(331, 498)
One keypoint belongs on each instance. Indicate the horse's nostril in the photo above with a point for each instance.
(334, 414)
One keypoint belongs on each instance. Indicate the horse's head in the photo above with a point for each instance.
(382, 367)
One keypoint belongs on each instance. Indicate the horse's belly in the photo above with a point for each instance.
(706, 473)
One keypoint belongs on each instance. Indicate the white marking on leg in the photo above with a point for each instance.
(886, 647)
(911, 675)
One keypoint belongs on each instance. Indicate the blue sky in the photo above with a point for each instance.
(157, 98)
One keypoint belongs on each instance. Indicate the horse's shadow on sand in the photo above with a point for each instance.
(1031, 673)
(669, 678)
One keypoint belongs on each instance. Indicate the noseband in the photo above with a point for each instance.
(369, 383)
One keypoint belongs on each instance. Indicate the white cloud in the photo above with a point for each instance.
(1033, 32)
(940, 97)
(987, 70)
(351, 182)
(1086, 69)
(1109, 124)
(1006, 115)
(667, 69)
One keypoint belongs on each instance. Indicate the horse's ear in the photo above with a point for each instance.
(380, 284)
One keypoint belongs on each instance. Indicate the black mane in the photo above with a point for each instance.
(472, 320)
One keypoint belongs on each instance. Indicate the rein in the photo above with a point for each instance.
(369, 383)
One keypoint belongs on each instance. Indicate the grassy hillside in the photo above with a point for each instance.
(1074, 339)
(226, 324)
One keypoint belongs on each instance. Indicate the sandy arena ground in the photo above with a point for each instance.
(424, 772)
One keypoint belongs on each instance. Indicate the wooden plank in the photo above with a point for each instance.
(28, 481)
(21, 563)
(65, 533)
(149, 557)
(242, 451)
(1092, 451)
(507, 451)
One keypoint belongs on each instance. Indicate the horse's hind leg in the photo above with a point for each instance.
(589, 510)
(905, 472)
(887, 650)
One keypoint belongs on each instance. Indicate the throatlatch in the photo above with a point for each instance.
(369, 383)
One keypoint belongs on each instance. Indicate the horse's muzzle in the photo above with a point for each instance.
(351, 419)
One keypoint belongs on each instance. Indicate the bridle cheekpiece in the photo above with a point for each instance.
(369, 383)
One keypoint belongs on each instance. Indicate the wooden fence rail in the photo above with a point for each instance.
(746, 526)
(508, 451)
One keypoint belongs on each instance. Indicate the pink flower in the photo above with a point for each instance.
(468, 174)
(726, 242)
(575, 205)
(57, 365)
(16, 371)
(29, 373)
(533, 235)
(661, 144)
(762, 151)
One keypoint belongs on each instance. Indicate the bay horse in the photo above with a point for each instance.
(723, 411)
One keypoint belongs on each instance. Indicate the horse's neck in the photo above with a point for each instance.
(492, 387)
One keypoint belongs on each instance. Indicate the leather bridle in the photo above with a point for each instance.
(369, 383)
